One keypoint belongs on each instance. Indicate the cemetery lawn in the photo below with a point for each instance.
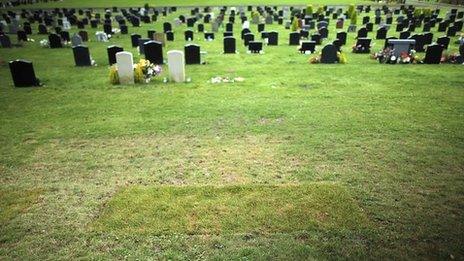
(298, 161)
(134, 3)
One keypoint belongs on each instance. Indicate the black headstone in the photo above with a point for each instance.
(112, 51)
(329, 54)
(192, 54)
(23, 73)
(154, 52)
(81, 55)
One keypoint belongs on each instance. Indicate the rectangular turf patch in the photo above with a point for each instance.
(165, 210)
(13, 202)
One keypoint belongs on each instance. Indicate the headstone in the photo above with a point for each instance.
(433, 54)
(308, 46)
(419, 46)
(255, 47)
(188, 35)
(55, 41)
(82, 56)
(125, 63)
(362, 33)
(76, 40)
(5, 41)
(402, 46)
(294, 38)
(101, 37)
(324, 32)
(170, 36)
(23, 73)
(22, 36)
(443, 41)
(273, 38)
(176, 66)
(142, 42)
(209, 36)
(316, 38)
(84, 36)
(248, 38)
(154, 52)
(381, 33)
(167, 27)
(160, 37)
(112, 51)
(42, 29)
(192, 54)
(135, 39)
(364, 45)
(329, 54)
(405, 35)
(229, 45)
(342, 37)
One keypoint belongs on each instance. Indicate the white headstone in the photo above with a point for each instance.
(176, 66)
(125, 63)
(66, 25)
(246, 25)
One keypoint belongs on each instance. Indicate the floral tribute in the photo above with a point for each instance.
(144, 72)
(388, 56)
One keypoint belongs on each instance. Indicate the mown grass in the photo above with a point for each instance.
(230, 210)
(390, 136)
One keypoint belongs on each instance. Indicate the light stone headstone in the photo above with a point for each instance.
(160, 37)
(125, 63)
(246, 25)
(176, 64)
(66, 25)
(76, 40)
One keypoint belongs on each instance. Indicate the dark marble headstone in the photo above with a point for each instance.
(112, 51)
(255, 47)
(316, 38)
(154, 52)
(419, 47)
(170, 36)
(209, 36)
(433, 54)
(141, 44)
(82, 56)
(135, 39)
(229, 45)
(381, 33)
(273, 38)
(23, 74)
(308, 46)
(5, 41)
(342, 37)
(192, 54)
(324, 32)
(329, 54)
(294, 38)
(167, 27)
(22, 36)
(188, 34)
(55, 41)
(248, 38)
(443, 41)
(362, 33)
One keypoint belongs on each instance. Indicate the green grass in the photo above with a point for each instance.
(13, 203)
(389, 138)
(134, 3)
(230, 210)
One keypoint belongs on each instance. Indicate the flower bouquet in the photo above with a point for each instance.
(144, 71)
